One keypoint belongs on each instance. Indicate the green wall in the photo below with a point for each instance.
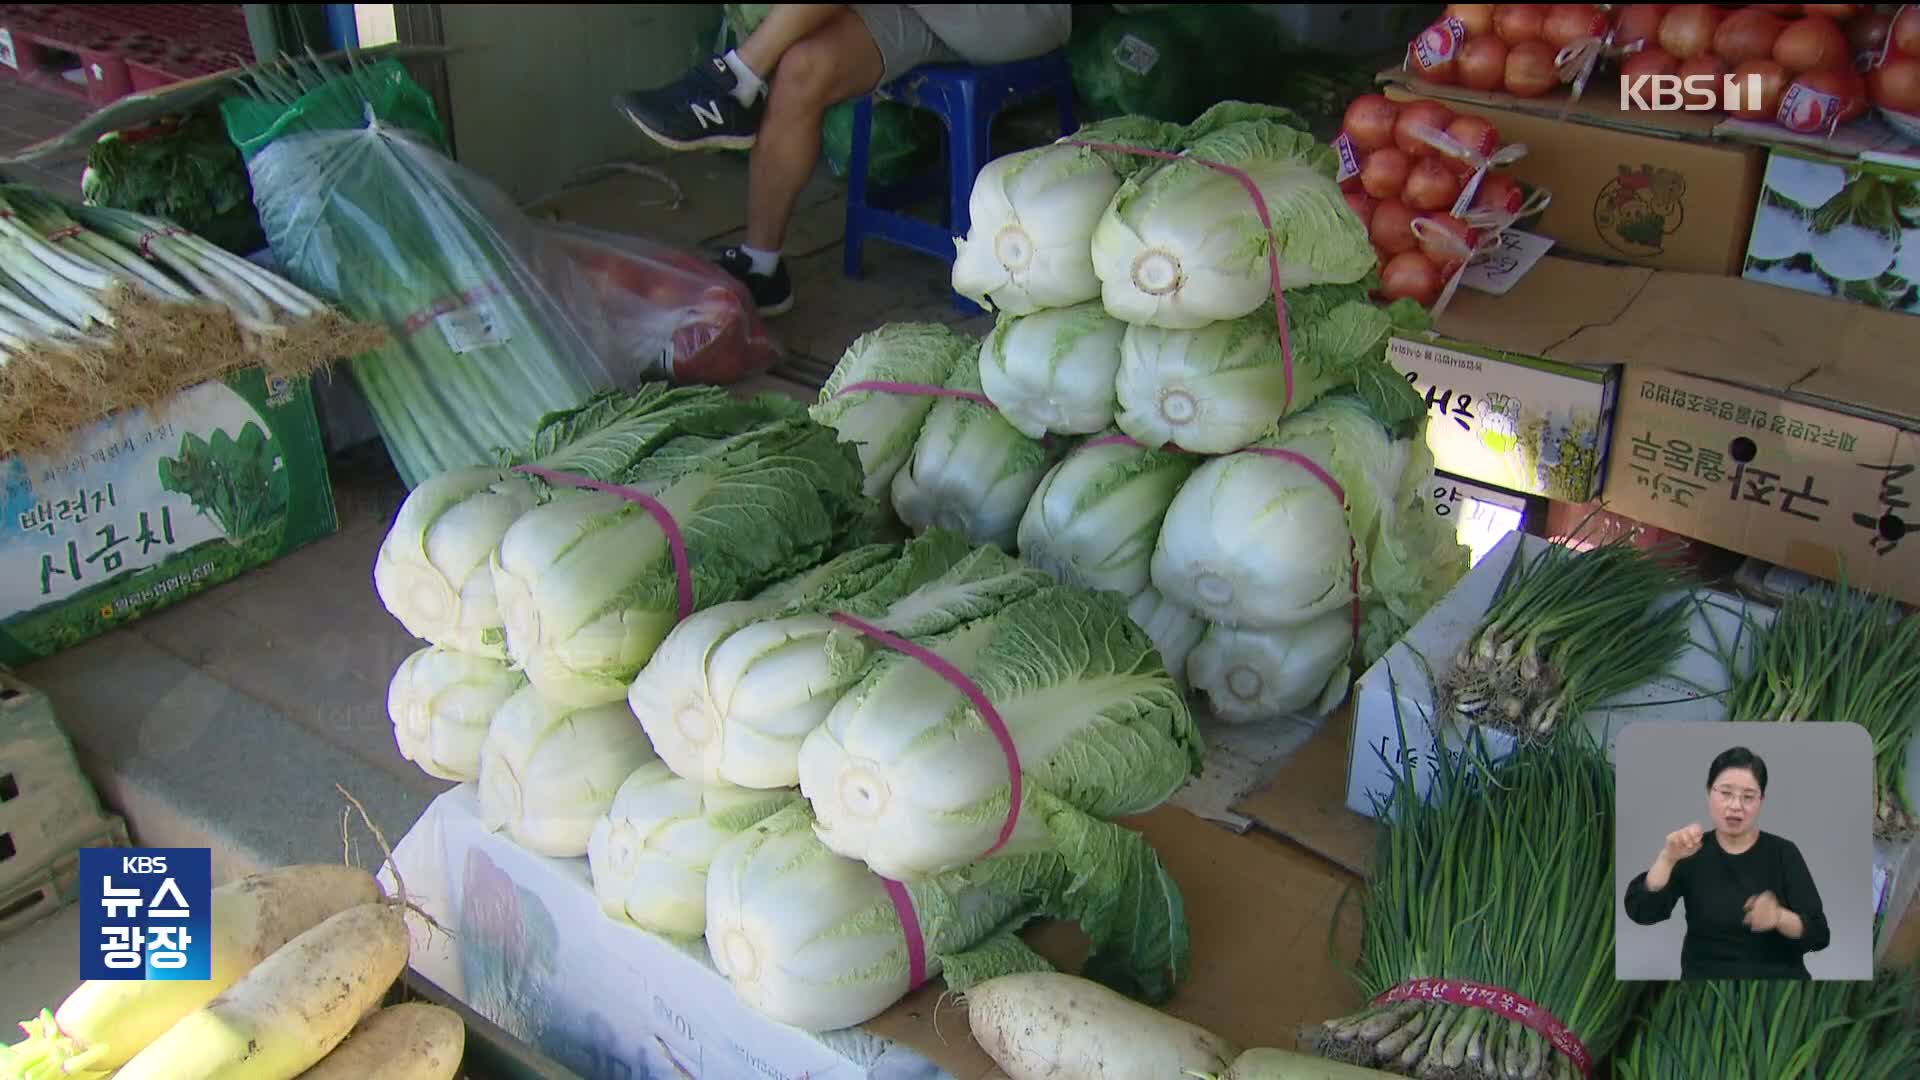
(532, 84)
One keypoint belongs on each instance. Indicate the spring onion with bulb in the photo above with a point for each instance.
(1845, 657)
(1567, 629)
(1501, 877)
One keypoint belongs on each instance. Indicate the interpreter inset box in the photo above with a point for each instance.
(1744, 851)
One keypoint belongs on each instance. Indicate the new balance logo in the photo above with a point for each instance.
(709, 114)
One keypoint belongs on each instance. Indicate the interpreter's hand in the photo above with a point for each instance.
(1682, 843)
(1763, 913)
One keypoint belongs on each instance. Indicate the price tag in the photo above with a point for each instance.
(1135, 55)
(1499, 270)
(471, 329)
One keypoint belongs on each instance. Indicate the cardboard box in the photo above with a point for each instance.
(1482, 515)
(1849, 229)
(1650, 188)
(153, 505)
(608, 999)
(1761, 449)
(1503, 407)
(1397, 693)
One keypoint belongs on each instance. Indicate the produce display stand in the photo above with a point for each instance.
(530, 950)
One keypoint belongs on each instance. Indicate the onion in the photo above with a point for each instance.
(1445, 240)
(1517, 23)
(1430, 114)
(1530, 69)
(1442, 72)
(1868, 34)
(1568, 23)
(1431, 185)
(1483, 63)
(1906, 31)
(1384, 172)
(1477, 18)
(1391, 228)
(1639, 22)
(1652, 60)
(1369, 122)
(1747, 35)
(1705, 64)
(1688, 30)
(1896, 84)
(1411, 276)
(1476, 133)
(1363, 204)
(1814, 43)
(1500, 194)
(1805, 107)
(1831, 11)
(1773, 84)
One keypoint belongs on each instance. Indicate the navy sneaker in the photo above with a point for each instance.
(772, 293)
(699, 112)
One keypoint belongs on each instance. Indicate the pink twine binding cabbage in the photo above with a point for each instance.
(676, 540)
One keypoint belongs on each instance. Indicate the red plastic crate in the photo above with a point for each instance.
(102, 52)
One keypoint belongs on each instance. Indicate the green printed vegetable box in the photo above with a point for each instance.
(1842, 229)
(153, 505)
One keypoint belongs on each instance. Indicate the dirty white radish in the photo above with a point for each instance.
(286, 1014)
(103, 1024)
(1049, 1026)
(1270, 1064)
(414, 1041)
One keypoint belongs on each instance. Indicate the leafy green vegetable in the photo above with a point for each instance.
(183, 169)
(237, 483)
(883, 424)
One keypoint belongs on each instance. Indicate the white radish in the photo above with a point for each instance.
(103, 1024)
(1049, 1026)
(292, 1009)
(414, 1041)
(1268, 1064)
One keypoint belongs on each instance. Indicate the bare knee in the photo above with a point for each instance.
(809, 75)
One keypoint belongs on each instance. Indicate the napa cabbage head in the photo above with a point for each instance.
(432, 569)
(1174, 630)
(1183, 245)
(548, 771)
(906, 775)
(442, 702)
(1096, 516)
(1032, 216)
(649, 855)
(1052, 371)
(1250, 675)
(882, 424)
(839, 957)
(970, 471)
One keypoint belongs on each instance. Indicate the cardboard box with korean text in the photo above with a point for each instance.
(153, 505)
(1650, 188)
(1482, 516)
(1503, 408)
(1790, 434)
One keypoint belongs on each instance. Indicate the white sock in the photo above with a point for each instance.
(761, 262)
(750, 84)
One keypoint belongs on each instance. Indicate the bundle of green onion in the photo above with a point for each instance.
(103, 309)
(1772, 1029)
(1567, 629)
(1502, 879)
(1849, 657)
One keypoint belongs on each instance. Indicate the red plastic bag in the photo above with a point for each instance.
(651, 307)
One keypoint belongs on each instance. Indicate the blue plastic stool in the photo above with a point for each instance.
(966, 99)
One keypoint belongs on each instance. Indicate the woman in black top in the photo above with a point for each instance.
(1752, 909)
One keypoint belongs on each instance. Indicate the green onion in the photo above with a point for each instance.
(1845, 657)
(1775, 1029)
(1503, 876)
(1567, 629)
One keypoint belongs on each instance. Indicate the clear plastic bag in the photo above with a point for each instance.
(644, 305)
(361, 206)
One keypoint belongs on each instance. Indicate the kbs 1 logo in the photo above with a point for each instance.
(144, 914)
(1690, 93)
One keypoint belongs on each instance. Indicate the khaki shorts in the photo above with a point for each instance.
(910, 35)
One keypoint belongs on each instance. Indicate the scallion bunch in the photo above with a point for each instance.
(1773, 1029)
(1567, 629)
(1845, 656)
(1502, 877)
